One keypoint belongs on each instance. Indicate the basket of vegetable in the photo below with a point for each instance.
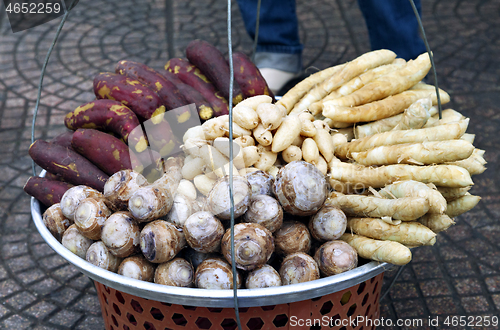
(147, 211)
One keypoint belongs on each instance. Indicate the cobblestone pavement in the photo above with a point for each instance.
(459, 276)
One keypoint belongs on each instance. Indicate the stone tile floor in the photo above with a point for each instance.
(459, 276)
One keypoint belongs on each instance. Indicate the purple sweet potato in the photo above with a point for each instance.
(248, 77)
(191, 75)
(191, 95)
(130, 92)
(213, 65)
(168, 92)
(104, 150)
(107, 115)
(71, 166)
(63, 139)
(47, 191)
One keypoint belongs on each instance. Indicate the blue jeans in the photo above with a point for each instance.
(279, 44)
(391, 25)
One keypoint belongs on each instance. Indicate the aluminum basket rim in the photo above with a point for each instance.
(206, 297)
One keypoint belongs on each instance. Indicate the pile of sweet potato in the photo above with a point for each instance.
(163, 102)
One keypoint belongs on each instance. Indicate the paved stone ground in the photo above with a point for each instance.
(460, 275)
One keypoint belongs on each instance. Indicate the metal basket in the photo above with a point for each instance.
(205, 297)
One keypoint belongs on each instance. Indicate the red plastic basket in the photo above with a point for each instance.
(122, 311)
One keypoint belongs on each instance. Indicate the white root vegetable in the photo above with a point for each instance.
(195, 132)
(325, 144)
(411, 188)
(440, 175)
(250, 155)
(298, 91)
(387, 124)
(213, 128)
(405, 209)
(286, 133)
(389, 84)
(449, 132)
(347, 132)
(192, 168)
(267, 158)
(307, 127)
(203, 183)
(383, 251)
(322, 165)
(270, 115)
(291, 153)
(384, 108)
(181, 210)
(416, 115)
(237, 129)
(262, 135)
(453, 193)
(187, 188)
(462, 205)
(72, 198)
(468, 137)
(273, 171)
(447, 116)
(350, 70)
(436, 222)
(408, 233)
(192, 146)
(245, 117)
(254, 101)
(245, 141)
(310, 151)
(338, 139)
(216, 161)
(474, 164)
(423, 153)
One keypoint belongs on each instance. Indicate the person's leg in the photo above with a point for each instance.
(392, 25)
(279, 51)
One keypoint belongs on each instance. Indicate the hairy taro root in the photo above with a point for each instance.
(335, 257)
(55, 221)
(293, 236)
(73, 197)
(328, 223)
(74, 241)
(203, 232)
(219, 201)
(266, 211)
(90, 216)
(99, 255)
(261, 182)
(298, 268)
(253, 245)
(264, 276)
(160, 241)
(120, 233)
(120, 187)
(176, 272)
(300, 188)
(137, 267)
(215, 273)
